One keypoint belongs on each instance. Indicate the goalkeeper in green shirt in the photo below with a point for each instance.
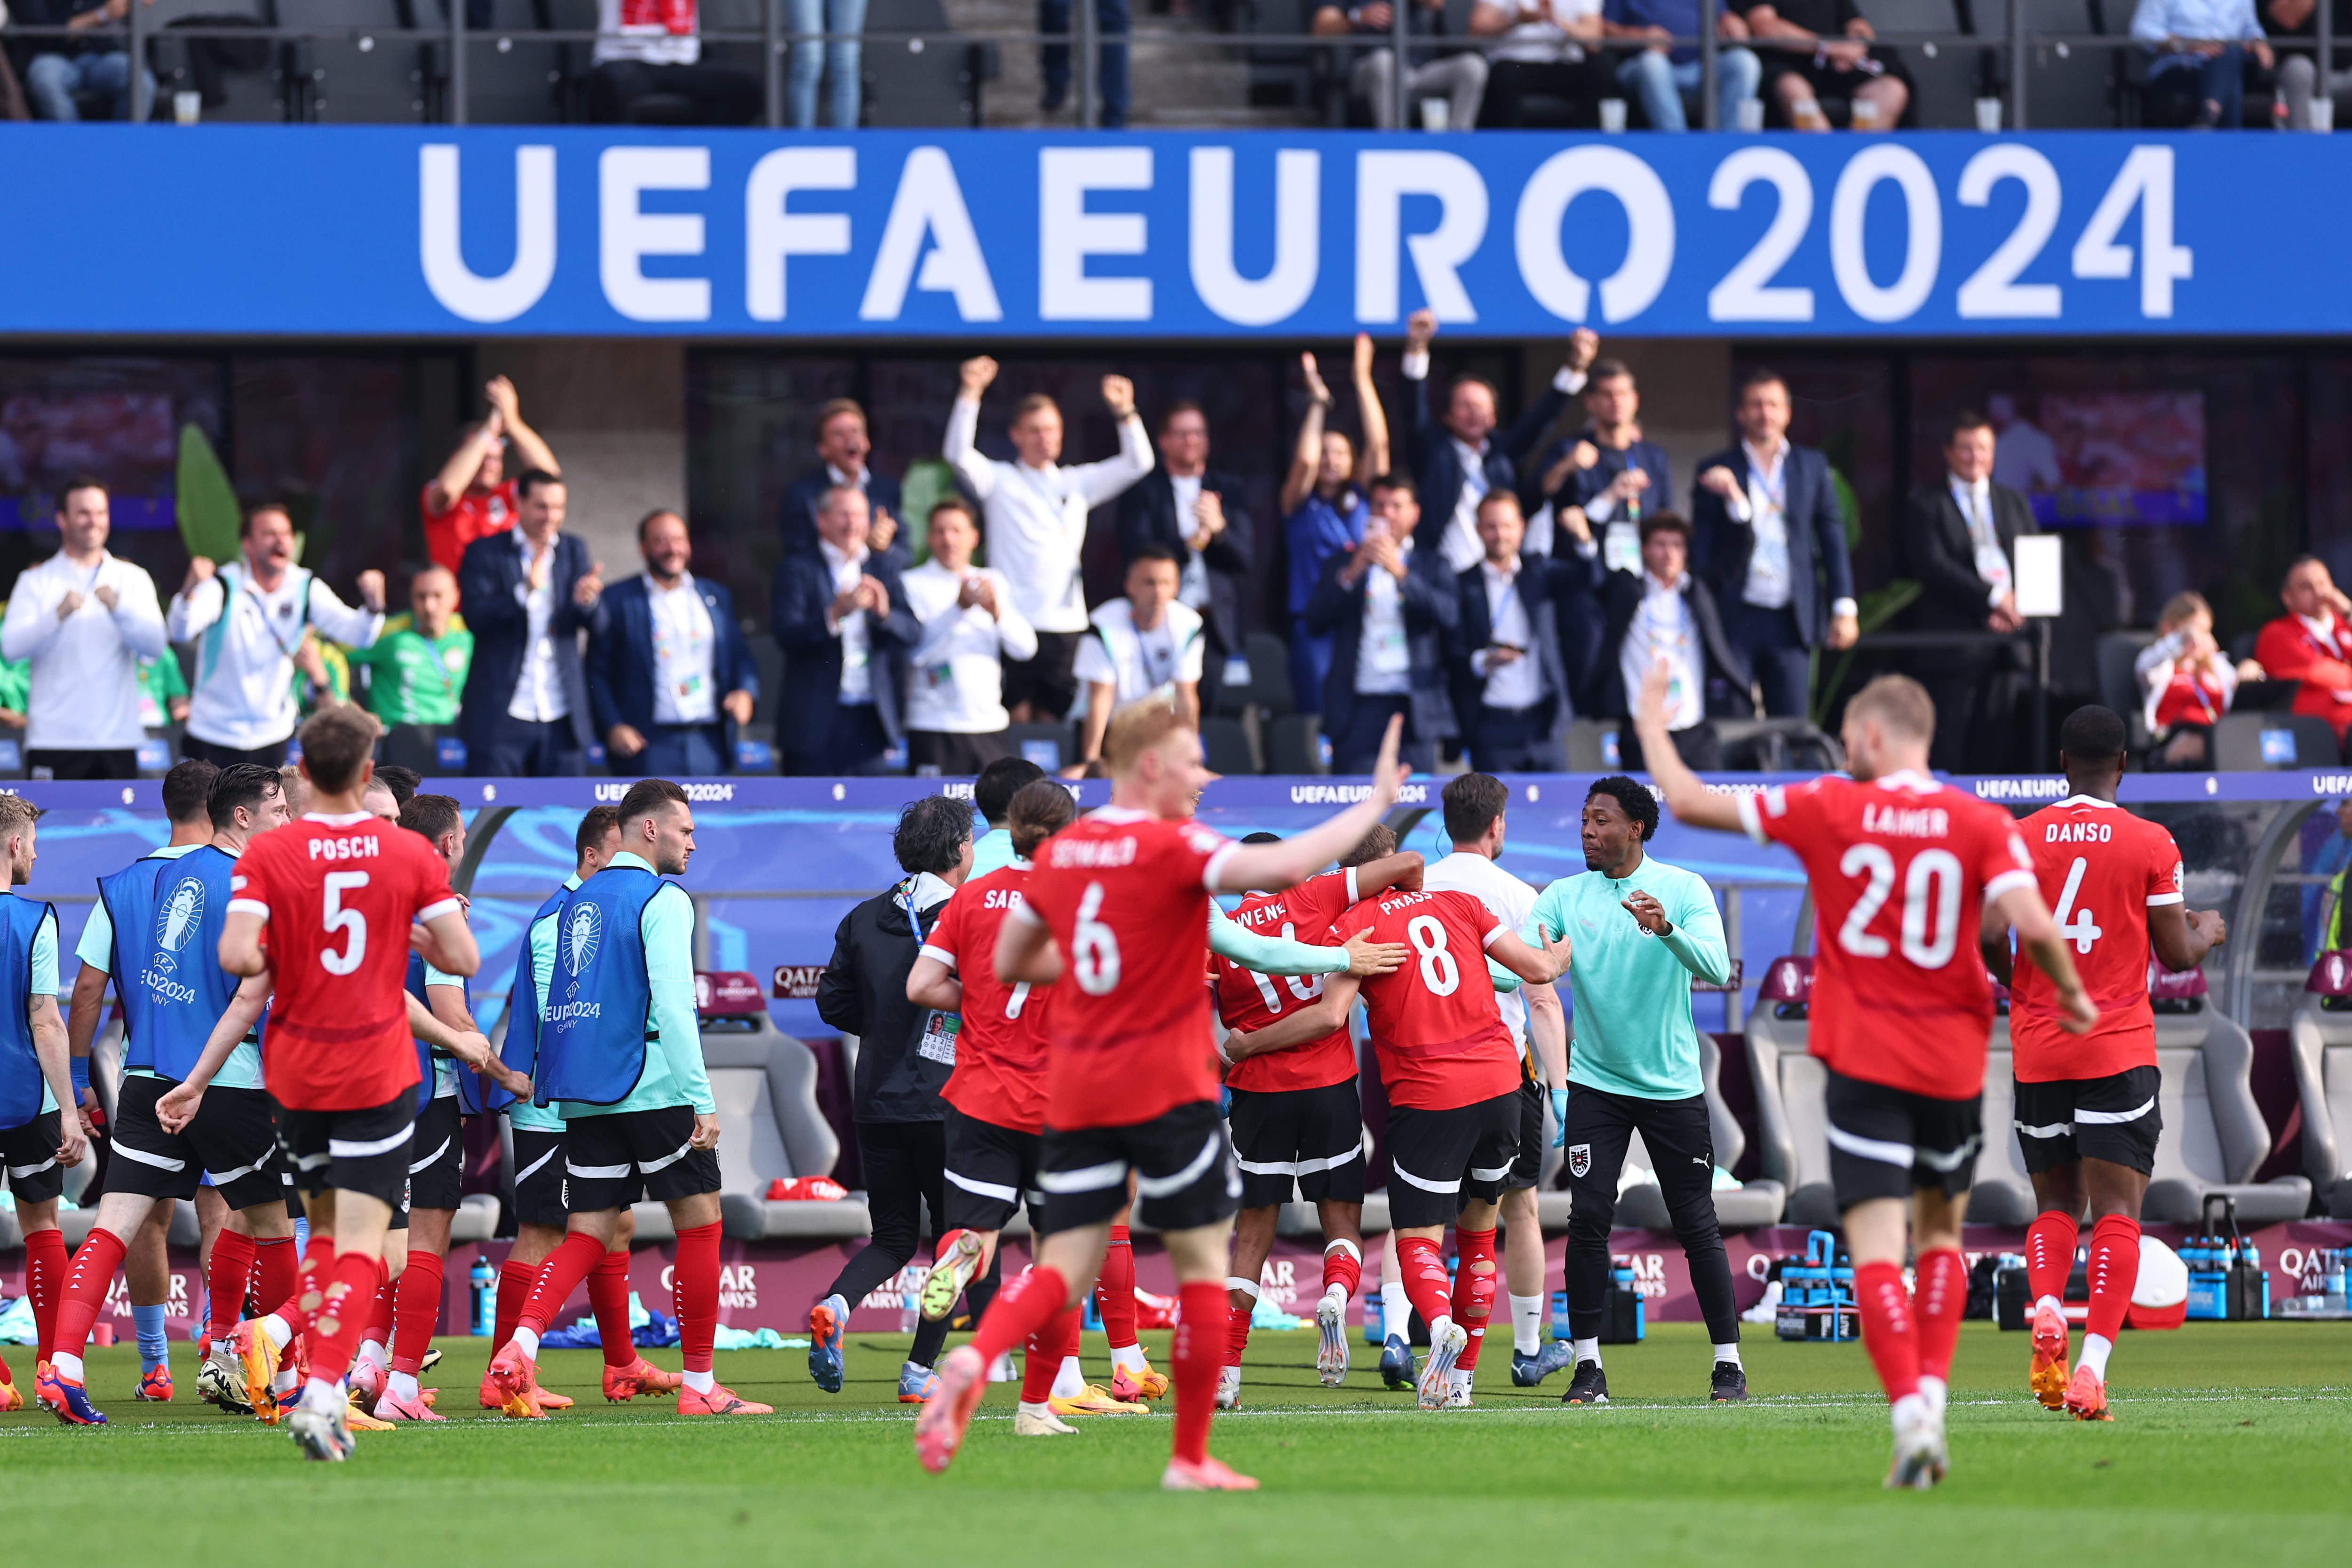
(416, 671)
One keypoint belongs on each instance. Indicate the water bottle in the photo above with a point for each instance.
(482, 1284)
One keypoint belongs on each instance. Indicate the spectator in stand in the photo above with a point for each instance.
(1459, 79)
(529, 594)
(1145, 646)
(417, 666)
(842, 618)
(1664, 76)
(1605, 474)
(1543, 49)
(1036, 523)
(1324, 508)
(651, 49)
(2198, 50)
(955, 689)
(1111, 27)
(2186, 683)
(61, 68)
(1770, 541)
(1511, 688)
(251, 620)
(1959, 543)
(1390, 609)
(83, 619)
(1823, 64)
(2312, 644)
(1666, 611)
(472, 496)
(2299, 74)
(670, 677)
(842, 448)
(811, 59)
(1198, 514)
(1459, 455)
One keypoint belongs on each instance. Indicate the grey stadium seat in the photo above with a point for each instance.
(765, 1083)
(1946, 73)
(2238, 741)
(2320, 1039)
(1791, 1125)
(2214, 1136)
(1755, 1203)
(2002, 1193)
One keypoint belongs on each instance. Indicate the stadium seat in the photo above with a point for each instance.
(1226, 747)
(1295, 745)
(1052, 746)
(1269, 663)
(477, 1218)
(2066, 88)
(2214, 1136)
(12, 1235)
(360, 78)
(1776, 745)
(2246, 742)
(1791, 1125)
(1592, 746)
(253, 95)
(765, 1083)
(2118, 688)
(920, 81)
(2002, 1193)
(2319, 1037)
(1950, 76)
(1745, 1208)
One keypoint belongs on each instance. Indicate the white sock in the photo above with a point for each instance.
(1936, 1394)
(1460, 1378)
(1128, 1358)
(1589, 1350)
(917, 1366)
(284, 1383)
(279, 1332)
(67, 1368)
(1071, 1380)
(372, 1354)
(525, 1342)
(1029, 1409)
(1396, 1310)
(402, 1385)
(1908, 1411)
(1729, 1353)
(1526, 1324)
(701, 1381)
(2095, 1347)
(2053, 1303)
(320, 1395)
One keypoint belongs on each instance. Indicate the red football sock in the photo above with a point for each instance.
(416, 1310)
(2115, 1270)
(45, 1282)
(695, 1289)
(381, 1311)
(225, 1279)
(1888, 1330)
(84, 1296)
(1343, 1264)
(608, 1297)
(1048, 1347)
(2049, 1256)
(515, 1280)
(308, 1291)
(1942, 1293)
(1474, 1290)
(344, 1307)
(1199, 1313)
(1023, 1308)
(559, 1276)
(1237, 1327)
(1115, 1290)
(276, 1265)
(1426, 1284)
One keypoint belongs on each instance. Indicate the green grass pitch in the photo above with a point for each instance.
(2231, 1441)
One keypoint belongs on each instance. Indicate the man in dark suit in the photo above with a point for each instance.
(843, 447)
(1607, 473)
(841, 616)
(527, 594)
(1185, 506)
(1510, 687)
(1666, 611)
(1390, 609)
(1959, 543)
(670, 675)
(1768, 538)
(1458, 454)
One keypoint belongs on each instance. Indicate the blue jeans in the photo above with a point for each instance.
(1659, 83)
(810, 17)
(51, 80)
(2219, 80)
(1054, 60)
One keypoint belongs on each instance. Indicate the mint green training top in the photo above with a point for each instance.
(673, 1073)
(1632, 1032)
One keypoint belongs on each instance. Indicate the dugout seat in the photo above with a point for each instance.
(1744, 1208)
(2214, 1135)
(2319, 1037)
(765, 1083)
(1791, 1125)
(2002, 1193)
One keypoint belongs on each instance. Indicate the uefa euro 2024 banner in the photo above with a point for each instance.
(1000, 234)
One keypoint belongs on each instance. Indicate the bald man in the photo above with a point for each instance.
(417, 667)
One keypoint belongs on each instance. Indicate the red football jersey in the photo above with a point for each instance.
(2101, 869)
(1441, 1039)
(1248, 1001)
(1901, 868)
(337, 896)
(1000, 1068)
(1126, 896)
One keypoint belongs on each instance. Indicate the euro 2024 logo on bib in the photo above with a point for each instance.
(176, 921)
(584, 932)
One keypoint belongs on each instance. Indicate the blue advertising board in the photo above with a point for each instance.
(401, 231)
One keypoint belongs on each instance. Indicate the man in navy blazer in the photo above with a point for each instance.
(1187, 507)
(1770, 540)
(527, 594)
(1390, 609)
(670, 675)
(841, 616)
(1511, 686)
(842, 448)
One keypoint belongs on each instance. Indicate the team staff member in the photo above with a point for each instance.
(639, 1119)
(1644, 931)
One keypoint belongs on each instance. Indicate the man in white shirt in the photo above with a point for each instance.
(1511, 683)
(1148, 644)
(670, 675)
(528, 593)
(249, 620)
(1036, 518)
(654, 48)
(955, 683)
(85, 619)
(1667, 613)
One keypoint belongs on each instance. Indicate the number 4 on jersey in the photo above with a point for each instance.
(2075, 925)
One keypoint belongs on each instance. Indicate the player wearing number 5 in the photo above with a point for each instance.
(2087, 1113)
(1905, 872)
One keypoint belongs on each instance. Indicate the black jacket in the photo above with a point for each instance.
(811, 692)
(621, 660)
(864, 992)
(1437, 465)
(1433, 609)
(488, 576)
(1146, 513)
(1934, 550)
(802, 494)
(1555, 593)
(1721, 544)
(1722, 670)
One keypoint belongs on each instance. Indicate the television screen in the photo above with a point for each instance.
(2105, 459)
